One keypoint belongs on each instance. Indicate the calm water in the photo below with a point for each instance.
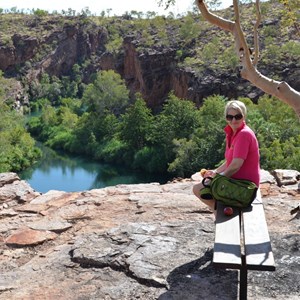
(56, 171)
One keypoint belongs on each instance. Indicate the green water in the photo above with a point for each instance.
(59, 171)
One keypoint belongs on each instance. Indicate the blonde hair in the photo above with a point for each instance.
(237, 105)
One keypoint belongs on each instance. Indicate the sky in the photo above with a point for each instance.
(118, 7)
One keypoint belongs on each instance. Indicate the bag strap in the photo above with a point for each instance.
(204, 181)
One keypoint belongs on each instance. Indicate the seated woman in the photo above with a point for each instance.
(241, 153)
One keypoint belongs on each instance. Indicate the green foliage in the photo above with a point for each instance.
(114, 44)
(92, 132)
(53, 88)
(228, 60)
(73, 104)
(48, 88)
(180, 140)
(291, 50)
(212, 56)
(185, 162)
(179, 54)
(290, 13)
(112, 151)
(210, 51)
(136, 124)
(67, 118)
(277, 129)
(270, 31)
(194, 63)
(17, 148)
(40, 12)
(147, 39)
(178, 119)
(205, 147)
(59, 134)
(82, 132)
(36, 106)
(151, 159)
(59, 138)
(276, 52)
(49, 117)
(189, 29)
(108, 92)
(284, 154)
(35, 126)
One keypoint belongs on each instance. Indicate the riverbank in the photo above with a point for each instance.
(143, 241)
(74, 173)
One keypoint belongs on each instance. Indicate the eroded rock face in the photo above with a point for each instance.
(74, 44)
(143, 241)
(70, 44)
(152, 71)
(149, 73)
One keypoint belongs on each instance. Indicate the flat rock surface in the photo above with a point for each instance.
(143, 241)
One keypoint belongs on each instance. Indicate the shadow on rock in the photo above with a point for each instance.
(199, 279)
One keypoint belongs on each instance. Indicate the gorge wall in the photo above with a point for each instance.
(153, 72)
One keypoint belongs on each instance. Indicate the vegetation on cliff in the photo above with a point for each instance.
(98, 113)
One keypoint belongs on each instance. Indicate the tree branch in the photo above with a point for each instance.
(281, 90)
(214, 19)
(241, 44)
(256, 43)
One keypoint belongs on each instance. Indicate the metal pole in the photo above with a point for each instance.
(243, 279)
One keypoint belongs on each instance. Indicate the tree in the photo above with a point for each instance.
(177, 120)
(40, 12)
(290, 13)
(248, 63)
(202, 147)
(108, 92)
(17, 147)
(135, 124)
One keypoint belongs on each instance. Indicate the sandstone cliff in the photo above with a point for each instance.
(53, 44)
(143, 241)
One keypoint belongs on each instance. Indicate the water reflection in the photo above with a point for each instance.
(59, 171)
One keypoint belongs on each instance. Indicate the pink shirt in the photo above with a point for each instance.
(243, 145)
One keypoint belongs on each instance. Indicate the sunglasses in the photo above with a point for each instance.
(237, 117)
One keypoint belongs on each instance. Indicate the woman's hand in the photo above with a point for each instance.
(210, 173)
(207, 173)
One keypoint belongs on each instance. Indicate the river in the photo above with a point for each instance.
(60, 171)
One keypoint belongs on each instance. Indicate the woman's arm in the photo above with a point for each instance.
(221, 168)
(234, 166)
(212, 173)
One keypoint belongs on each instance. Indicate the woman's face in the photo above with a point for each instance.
(234, 119)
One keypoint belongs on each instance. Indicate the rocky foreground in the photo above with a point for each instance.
(143, 241)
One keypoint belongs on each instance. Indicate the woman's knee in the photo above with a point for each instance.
(197, 188)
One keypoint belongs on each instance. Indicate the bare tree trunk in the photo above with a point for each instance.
(279, 89)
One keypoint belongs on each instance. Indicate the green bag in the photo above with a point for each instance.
(231, 192)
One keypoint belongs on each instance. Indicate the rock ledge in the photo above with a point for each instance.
(143, 241)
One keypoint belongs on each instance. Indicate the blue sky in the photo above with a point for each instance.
(118, 7)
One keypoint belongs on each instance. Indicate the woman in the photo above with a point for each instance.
(241, 154)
